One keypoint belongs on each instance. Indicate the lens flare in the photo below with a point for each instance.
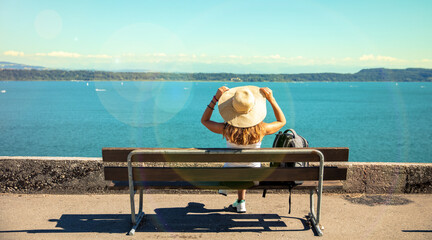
(48, 24)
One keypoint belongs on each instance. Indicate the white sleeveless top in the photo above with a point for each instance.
(239, 164)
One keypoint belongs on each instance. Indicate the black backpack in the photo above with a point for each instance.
(289, 138)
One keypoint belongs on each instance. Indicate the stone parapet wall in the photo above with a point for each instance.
(384, 178)
(51, 175)
(73, 175)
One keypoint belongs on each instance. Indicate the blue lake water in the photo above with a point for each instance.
(379, 122)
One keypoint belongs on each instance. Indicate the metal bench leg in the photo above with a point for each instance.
(314, 218)
(132, 204)
(140, 216)
(140, 201)
(136, 220)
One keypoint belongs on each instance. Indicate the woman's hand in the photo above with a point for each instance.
(268, 93)
(220, 91)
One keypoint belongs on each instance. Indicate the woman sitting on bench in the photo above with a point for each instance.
(243, 109)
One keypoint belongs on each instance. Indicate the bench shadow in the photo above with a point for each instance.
(195, 218)
(192, 218)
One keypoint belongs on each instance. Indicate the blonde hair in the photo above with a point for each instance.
(243, 136)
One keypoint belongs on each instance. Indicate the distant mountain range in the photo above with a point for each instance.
(9, 65)
(20, 72)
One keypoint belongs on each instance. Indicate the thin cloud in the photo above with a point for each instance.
(367, 57)
(63, 54)
(159, 54)
(13, 53)
(60, 54)
(235, 57)
(371, 57)
(99, 56)
(275, 57)
(387, 59)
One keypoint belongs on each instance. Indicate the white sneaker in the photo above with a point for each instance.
(240, 206)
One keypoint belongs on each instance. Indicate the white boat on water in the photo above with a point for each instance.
(3, 91)
(100, 90)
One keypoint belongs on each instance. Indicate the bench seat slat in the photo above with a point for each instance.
(224, 174)
(120, 155)
(328, 185)
(225, 158)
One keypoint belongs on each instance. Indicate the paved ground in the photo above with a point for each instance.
(196, 216)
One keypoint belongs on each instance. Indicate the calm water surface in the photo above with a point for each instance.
(379, 122)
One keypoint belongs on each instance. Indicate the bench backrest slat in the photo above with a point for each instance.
(223, 174)
(120, 155)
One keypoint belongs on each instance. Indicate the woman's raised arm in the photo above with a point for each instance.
(280, 117)
(205, 119)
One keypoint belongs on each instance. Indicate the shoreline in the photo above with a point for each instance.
(217, 81)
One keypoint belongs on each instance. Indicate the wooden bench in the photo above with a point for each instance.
(136, 177)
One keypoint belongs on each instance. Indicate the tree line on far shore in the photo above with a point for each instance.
(365, 75)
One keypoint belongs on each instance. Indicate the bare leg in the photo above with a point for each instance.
(241, 194)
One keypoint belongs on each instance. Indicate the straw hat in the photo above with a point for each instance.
(243, 106)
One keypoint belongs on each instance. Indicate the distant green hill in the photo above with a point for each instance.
(395, 75)
(365, 75)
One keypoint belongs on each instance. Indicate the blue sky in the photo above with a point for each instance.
(218, 36)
